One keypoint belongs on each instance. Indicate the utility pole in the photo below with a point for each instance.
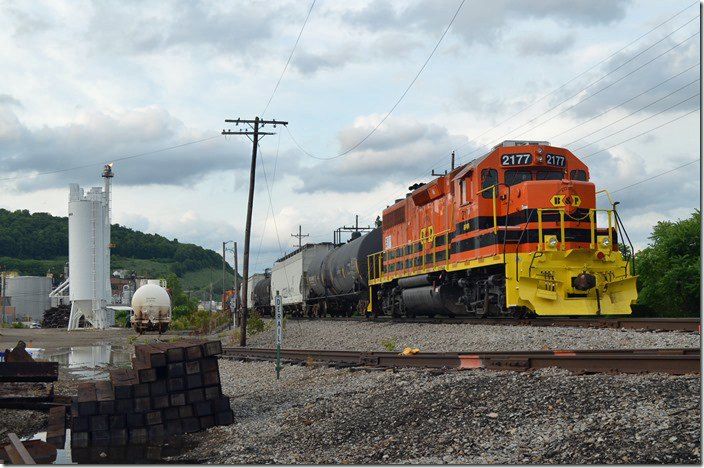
(2, 292)
(210, 307)
(254, 125)
(300, 236)
(223, 277)
(237, 291)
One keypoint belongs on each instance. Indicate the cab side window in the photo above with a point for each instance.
(578, 175)
(489, 178)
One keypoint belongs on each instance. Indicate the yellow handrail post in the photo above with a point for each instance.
(493, 200)
(540, 229)
(592, 227)
(562, 228)
(610, 239)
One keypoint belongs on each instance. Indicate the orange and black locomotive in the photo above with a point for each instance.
(513, 232)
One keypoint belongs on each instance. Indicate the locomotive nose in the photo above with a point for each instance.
(584, 281)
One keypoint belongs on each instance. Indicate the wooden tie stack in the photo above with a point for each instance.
(171, 389)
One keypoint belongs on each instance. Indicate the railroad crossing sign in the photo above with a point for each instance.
(566, 200)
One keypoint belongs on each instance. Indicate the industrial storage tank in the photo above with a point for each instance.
(89, 253)
(29, 295)
(339, 279)
(151, 308)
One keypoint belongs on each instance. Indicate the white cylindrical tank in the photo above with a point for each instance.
(87, 245)
(151, 307)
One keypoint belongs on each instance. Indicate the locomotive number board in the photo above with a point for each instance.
(516, 159)
(555, 160)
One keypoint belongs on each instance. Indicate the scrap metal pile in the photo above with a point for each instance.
(172, 388)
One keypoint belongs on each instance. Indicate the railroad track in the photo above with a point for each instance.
(672, 361)
(645, 324)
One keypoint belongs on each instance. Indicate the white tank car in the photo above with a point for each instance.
(151, 309)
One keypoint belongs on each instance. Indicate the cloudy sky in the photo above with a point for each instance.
(148, 86)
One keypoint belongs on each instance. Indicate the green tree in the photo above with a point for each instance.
(669, 268)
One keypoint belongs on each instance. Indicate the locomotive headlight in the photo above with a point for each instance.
(551, 242)
(603, 243)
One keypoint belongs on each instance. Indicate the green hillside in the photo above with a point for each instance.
(36, 243)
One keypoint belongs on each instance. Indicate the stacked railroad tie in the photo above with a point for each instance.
(171, 389)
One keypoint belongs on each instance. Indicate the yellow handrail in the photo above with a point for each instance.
(493, 201)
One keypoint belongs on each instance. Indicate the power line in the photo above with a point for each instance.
(112, 160)
(601, 78)
(397, 102)
(624, 102)
(640, 134)
(651, 178)
(289, 57)
(605, 87)
(632, 113)
(565, 84)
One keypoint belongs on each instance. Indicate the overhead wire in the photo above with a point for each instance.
(607, 86)
(146, 153)
(289, 58)
(636, 123)
(481, 146)
(624, 102)
(598, 80)
(640, 134)
(444, 154)
(651, 178)
(408, 88)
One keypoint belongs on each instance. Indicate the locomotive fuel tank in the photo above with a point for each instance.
(343, 271)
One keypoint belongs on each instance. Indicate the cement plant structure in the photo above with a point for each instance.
(89, 254)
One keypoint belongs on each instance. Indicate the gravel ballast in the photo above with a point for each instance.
(325, 415)
(370, 336)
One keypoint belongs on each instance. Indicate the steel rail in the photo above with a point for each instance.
(671, 361)
(645, 324)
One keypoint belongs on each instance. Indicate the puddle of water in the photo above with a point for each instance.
(89, 362)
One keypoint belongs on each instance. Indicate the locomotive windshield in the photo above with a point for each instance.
(549, 175)
(516, 177)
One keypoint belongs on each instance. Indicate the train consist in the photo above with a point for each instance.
(512, 233)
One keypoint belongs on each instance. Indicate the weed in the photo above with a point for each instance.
(388, 343)
(256, 325)
(310, 362)
(174, 339)
(131, 339)
(235, 337)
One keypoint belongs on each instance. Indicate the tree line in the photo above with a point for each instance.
(41, 236)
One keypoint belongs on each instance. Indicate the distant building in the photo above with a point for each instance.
(29, 295)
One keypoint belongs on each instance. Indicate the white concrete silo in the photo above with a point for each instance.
(89, 253)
